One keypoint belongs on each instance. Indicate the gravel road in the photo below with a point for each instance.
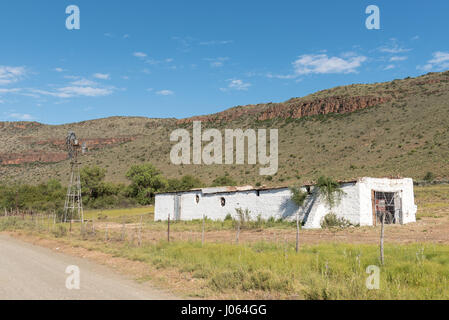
(29, 272)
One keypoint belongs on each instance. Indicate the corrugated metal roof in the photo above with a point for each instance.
(230, 189)
(226, 189)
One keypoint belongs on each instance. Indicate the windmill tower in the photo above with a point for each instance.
(73, 208)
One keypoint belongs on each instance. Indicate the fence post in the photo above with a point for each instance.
(140, 231)
(297, 232)
(123, 231)
(202, 233)
(106, 235)
(168, 228)
(238, 232)
(382, 240)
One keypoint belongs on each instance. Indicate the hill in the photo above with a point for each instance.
(383, 129)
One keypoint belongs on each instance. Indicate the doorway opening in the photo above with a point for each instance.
(388, 204)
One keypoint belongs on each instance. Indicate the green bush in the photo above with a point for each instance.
(332, 221)
(429, 177)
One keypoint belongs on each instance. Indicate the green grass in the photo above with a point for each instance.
(112, 214)
(325, 271)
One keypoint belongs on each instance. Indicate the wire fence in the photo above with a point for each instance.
(141, 230)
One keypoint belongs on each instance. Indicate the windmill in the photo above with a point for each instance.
(73, 208)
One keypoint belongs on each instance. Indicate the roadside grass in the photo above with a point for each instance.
(265, 269)
(324, 271)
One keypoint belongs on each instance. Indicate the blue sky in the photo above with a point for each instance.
(184, 58)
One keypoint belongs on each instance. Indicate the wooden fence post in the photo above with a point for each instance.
(238, 233)
(106, 235)
(382, 240)
(140, 232)
(168, 228)
(203, 230)
(123, 232)
(297, 232)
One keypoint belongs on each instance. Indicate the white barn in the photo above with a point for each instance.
(362, 203)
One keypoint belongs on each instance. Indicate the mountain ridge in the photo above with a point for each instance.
(359, 115)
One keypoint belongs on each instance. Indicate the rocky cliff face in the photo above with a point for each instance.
(45, 156)
(293, 109)
(91, 144)
(32, 156)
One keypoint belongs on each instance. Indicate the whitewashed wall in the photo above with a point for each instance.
(348, 208)
(269, 203)
(355, 204)
(403, 186)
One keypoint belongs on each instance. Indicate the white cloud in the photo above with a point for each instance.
(281, 76)
(389, 67)
(237, 84)
(215, 42)
(10, 75)
(13, 90)
(152, 61)
(72, 77)
(322, 64)
(393, 48)
(440, 61)
(165, 93)
(75, 91)
(102, 76)
(84, 91)
(217, 62)
(20, 116)
(84, 82)
(59, 70)
(398, 58)
(139, 54)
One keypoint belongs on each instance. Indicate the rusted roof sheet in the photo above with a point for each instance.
(230, 189)
(226, 189)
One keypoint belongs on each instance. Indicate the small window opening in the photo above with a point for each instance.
(258, 193)
(197, 199)
(308, 190)
(223, 201)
